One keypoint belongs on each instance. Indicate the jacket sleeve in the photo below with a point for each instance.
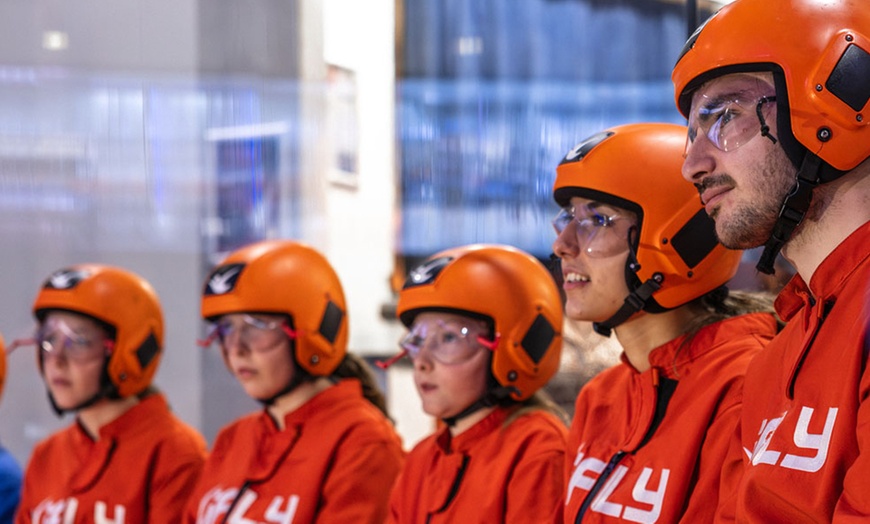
(360, 480)
(536, 491)
(733, 464)
(722, 449)
(396, 508)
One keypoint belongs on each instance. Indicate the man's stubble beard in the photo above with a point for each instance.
(750, 223)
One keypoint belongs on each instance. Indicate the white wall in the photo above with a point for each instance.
(362, 219)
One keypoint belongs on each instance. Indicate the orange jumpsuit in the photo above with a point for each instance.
(335, 461)
(806, 433)
(141, 470)
(649, 447)
(488, 473)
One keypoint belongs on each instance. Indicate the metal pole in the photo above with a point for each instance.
(691, 16)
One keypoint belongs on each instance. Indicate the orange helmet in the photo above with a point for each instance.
(512, 290)
(819, 52)
(288, 278)
(121, 299)
(637, 167)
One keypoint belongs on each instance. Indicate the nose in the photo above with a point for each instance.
(423, 359)
(698, 161)
(232, 342)
(57, 354)
(565, 244)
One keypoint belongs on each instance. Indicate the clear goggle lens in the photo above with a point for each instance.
(728, 123)
(446, 342)
(598, 234)
(256, 334)
(56, 338)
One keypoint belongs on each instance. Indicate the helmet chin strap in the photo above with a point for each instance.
(492, 398)
(59, 411)
(791, 214)
(299, 376)
(637, 298)
(634, 302)
(106, 390)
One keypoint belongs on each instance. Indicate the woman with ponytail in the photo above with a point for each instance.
(323, 448)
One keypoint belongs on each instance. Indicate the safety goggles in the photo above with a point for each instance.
(598, 234)
(255, 334)
(58, 339)
(729, 122)
(448, 343)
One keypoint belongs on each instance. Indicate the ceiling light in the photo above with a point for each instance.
(55, 40)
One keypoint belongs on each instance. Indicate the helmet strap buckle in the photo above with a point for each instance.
(634, 302)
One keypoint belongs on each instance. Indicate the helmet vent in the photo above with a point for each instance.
(850, 79)
(331, 322)
(695, 240)
(147, 351)
(426, 272)
(223, 279)
(538, 338)
(66, 279)
(583, 148)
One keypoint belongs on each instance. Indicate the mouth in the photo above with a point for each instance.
(245, 373)
(711, 197)
(59, 382)
(426, 387)
(573, 279)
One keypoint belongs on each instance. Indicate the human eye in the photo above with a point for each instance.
(224, 328)
(416, 341)
(79, 342)
(718, 120)
(585, 224)
(710, 113)
(602, 220)
(561, 221)
(259, 323)
(449, 337)
(721, 110)
(453, 334)
(48, 341)
(412, 343)
(729, 114)
(595, 221)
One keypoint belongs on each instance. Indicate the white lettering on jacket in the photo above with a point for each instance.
(651, 497)
(64, 512)
(818, 444)
(100, 516)
(216, 502)
(578, 477)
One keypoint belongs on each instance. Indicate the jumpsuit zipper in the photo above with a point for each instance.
(599, 483)
(454, 488)
(664, 391)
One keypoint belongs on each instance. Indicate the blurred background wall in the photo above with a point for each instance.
(158, 135)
